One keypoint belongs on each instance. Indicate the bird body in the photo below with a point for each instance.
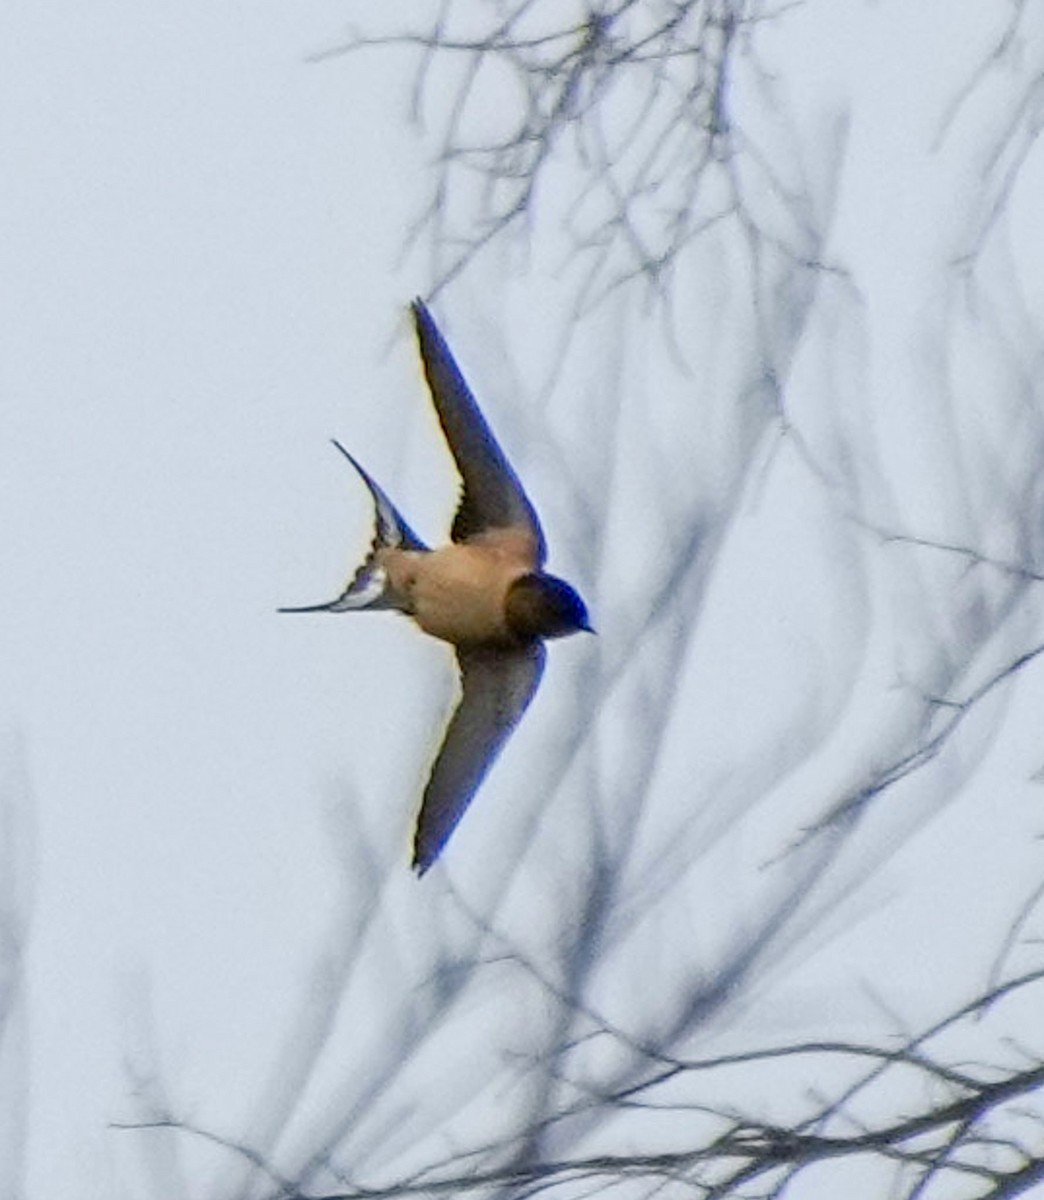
(458, 593)
(485, 592)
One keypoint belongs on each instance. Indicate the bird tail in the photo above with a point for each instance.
(369, 588)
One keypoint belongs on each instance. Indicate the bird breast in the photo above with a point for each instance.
(457, 593)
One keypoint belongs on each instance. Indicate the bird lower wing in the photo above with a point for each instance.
(497, 688)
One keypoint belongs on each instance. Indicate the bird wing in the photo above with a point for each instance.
(493, 497)
(497, 688)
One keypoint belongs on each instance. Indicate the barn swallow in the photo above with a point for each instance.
(485, 593)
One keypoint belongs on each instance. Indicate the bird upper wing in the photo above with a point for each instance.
(497, 688)
(493, 497)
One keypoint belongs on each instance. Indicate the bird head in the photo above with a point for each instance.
(543, 606)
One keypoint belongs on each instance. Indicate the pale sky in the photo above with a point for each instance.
(204, 282)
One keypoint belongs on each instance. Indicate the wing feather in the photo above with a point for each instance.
(493, 497)
(497, 688)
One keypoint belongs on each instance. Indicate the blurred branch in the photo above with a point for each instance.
(635, 97)
(971, 1132)
(640, 101)
(955, 711)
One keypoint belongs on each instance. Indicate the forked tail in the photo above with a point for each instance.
(369, 586)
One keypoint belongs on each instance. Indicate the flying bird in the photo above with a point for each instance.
(485, 592)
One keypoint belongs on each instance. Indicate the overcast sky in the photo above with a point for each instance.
(203, 282)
